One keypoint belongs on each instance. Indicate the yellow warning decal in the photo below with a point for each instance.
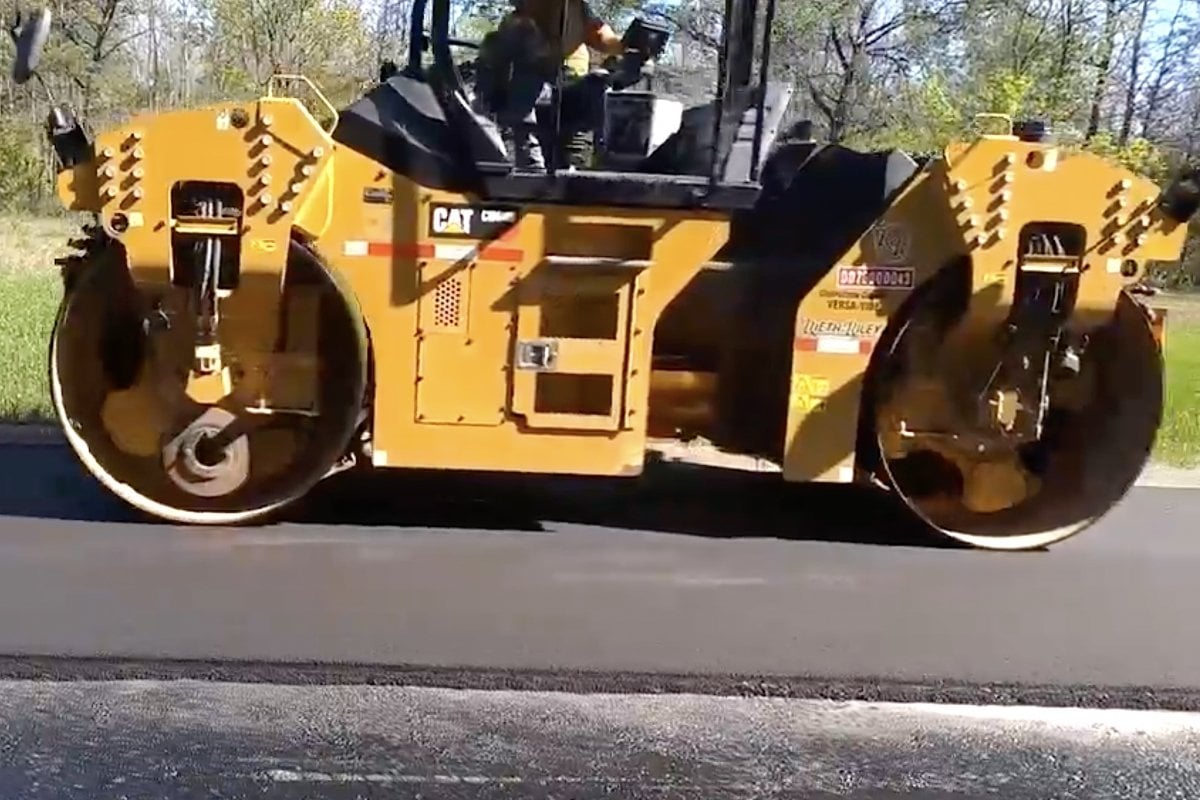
(808, 392)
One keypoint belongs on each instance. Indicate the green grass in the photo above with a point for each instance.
(29, 294)
(29, 304)
(1179, 437)
(30, 290)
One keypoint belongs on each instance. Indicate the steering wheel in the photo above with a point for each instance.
(582, 96)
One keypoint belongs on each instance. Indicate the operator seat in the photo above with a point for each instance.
(400, 124)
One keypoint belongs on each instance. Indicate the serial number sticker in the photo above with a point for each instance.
(876, 278)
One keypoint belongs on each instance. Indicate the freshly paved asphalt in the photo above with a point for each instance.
(724, 586)
(343, 652)
(186, 739)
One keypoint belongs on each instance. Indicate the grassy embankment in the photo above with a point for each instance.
(1179, 439)
(29, 293)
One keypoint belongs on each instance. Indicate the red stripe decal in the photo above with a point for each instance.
(427, 250)
(494, 253)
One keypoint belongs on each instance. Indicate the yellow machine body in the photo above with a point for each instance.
(972, 204)
(449, 316)
(522, 337)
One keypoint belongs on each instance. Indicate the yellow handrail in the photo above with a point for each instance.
(280, 77)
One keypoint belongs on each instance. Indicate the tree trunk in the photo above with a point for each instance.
(1103, 67)
(1131, 89)
(1161, 70)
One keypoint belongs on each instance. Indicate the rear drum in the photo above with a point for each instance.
(123, 408)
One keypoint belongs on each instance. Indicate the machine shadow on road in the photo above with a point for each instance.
(670, 497)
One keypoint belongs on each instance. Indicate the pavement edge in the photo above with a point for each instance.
(1160, 476)
(30, 434)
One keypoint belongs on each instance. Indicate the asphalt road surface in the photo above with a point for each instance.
(721, 585)
(63, 741)
(661, 633)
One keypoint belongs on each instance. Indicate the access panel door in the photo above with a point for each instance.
(571, 354)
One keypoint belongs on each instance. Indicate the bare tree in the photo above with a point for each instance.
(1134, 76)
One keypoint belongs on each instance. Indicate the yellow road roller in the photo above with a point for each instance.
(274, 291)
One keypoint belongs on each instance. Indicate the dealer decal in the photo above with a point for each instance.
(840, 327)
(463, 221)
(876, 278)
(837, 336)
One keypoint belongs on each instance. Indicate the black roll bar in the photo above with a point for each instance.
(734, 66)
(764, 67)
(722, 99)
(416, 38)
(439, 36)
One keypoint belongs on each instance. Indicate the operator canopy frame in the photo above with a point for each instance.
(420, 121)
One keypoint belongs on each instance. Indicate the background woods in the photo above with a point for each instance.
(1121, 77)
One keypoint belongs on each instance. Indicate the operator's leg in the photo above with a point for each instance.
(576, 146)
(510, 84)
(518, 119)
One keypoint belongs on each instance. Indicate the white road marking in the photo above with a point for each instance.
(298, 776)
(1119, 720)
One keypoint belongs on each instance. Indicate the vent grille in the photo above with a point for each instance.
(447, 304)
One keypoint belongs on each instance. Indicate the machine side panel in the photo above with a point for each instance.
(816, 203)
(377, 215)
(842, 318)
(513, 355)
